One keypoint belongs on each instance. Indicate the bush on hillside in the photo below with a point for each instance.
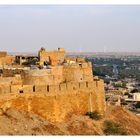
(112, 128)
(137, 105)
(94, 115)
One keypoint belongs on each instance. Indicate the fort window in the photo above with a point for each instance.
(48, 88)
(79, 85)
(21, 91)
(86, 84)
(33, 88)
(60, 87)
(80, 64)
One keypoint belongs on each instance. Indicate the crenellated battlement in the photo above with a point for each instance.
(53, 89)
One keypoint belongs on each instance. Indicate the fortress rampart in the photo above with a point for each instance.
(58, 74)
(56, 102)
(49, 89)
(52, 85)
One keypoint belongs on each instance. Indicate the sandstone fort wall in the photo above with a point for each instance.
(59, 74)
(55, 89)
(57, 102)
(62, 87)
(52, 56)
(7, 60)
(3, 54)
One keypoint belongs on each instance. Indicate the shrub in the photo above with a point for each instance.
(123, 102)
(94, 115)
(137, 105)
(134, 90)
(126, 93)
(112, 128)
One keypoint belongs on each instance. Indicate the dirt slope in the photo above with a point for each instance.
(13, 122)
(129, 121)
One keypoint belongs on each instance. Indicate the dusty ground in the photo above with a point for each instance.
(13, 122)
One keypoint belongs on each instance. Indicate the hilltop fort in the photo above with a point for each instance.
(50, 84)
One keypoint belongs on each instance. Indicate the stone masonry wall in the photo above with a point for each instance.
(76, 72)
(59, 74)
(57, 102)
(52, 56)
(7, 60)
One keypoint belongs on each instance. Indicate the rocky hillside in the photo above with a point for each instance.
(117, 121)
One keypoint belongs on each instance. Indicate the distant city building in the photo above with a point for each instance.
(136, 96)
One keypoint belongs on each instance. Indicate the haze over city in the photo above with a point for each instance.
(76, 28)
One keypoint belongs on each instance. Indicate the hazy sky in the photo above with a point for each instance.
(75, 28)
